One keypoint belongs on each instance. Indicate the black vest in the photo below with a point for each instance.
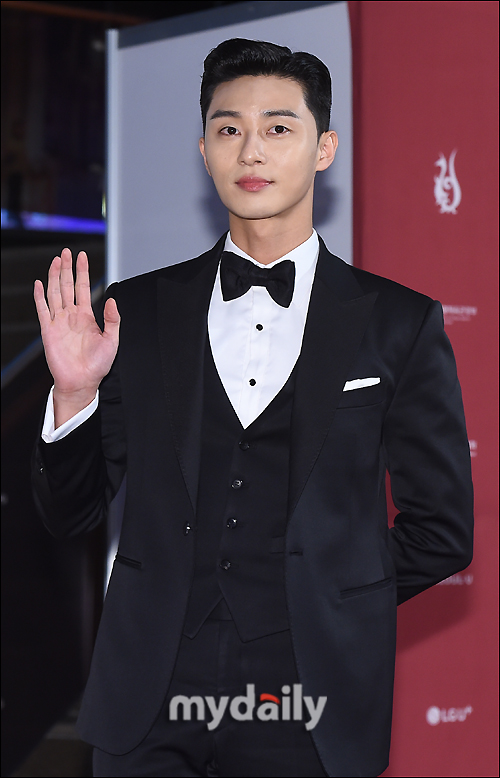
(241, 512)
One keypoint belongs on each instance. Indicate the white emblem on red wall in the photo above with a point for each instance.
(446, 187)
(458, 579)
(435, 715)
(458, 313)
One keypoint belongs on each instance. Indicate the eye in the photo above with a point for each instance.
(228, 131)
(279, 129)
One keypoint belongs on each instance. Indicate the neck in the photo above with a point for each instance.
(266, 240)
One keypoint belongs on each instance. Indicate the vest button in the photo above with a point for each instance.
(225, 564)
(187, 528)
(237, 483)
(230, 523)
(244, 445)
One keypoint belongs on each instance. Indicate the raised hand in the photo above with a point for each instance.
(79, 354)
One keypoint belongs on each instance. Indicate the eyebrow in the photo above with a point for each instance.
(237, 115)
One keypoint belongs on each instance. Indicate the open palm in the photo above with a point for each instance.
(79, 354)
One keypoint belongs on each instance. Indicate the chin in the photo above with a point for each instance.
(251, 214)
(259, 205)
(257, 210)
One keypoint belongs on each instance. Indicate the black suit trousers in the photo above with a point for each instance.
(216, 662)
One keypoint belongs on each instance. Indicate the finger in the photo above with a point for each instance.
(66, 279)
(111, 318)
(82, 286)
(54, 298)
(42, 308)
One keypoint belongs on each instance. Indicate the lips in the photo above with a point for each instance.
(252, 184)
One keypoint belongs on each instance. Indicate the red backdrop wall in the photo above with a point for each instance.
(426, 89)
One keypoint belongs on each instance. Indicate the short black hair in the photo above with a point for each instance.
(238, 57)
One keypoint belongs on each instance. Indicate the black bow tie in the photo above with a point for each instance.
(238, 274)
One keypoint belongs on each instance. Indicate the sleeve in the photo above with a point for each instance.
(51, 435)
(428, 459)
(75, 478)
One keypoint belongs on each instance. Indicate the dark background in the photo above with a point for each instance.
(53, 136)
(53, 158)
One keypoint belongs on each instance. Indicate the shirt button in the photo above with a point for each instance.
(252, 382)
(225, 564)
(244, 445)
(237, 483)
(259, 327)
(230, 523)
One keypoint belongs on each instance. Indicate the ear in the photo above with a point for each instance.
(327, 147)
(202, 149)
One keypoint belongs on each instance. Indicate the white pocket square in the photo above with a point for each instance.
(360, 383)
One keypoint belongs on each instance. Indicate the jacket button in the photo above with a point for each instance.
(225, 564)
(187, 528)
(244, 445)
(41, 470)
(237, 483)
(230, 523)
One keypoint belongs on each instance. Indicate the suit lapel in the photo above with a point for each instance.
(336, 322)
(337, 319)
(183, 296)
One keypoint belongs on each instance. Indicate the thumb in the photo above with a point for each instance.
(111, 317)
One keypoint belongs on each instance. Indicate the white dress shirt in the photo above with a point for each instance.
(255, 342)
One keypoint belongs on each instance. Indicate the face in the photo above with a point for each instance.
(261, 147)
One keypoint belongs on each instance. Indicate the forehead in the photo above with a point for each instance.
(258, 93)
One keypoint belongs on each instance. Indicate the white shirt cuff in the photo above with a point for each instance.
(49, 434)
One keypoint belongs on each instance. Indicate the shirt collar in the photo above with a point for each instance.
(304, 256)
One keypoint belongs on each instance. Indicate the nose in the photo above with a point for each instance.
(252, 150)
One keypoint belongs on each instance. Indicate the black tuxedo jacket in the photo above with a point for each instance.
(345, 570)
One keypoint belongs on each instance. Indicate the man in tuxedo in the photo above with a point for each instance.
(256, 399)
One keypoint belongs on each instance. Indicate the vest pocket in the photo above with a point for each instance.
(384, 584)
(125, 560)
